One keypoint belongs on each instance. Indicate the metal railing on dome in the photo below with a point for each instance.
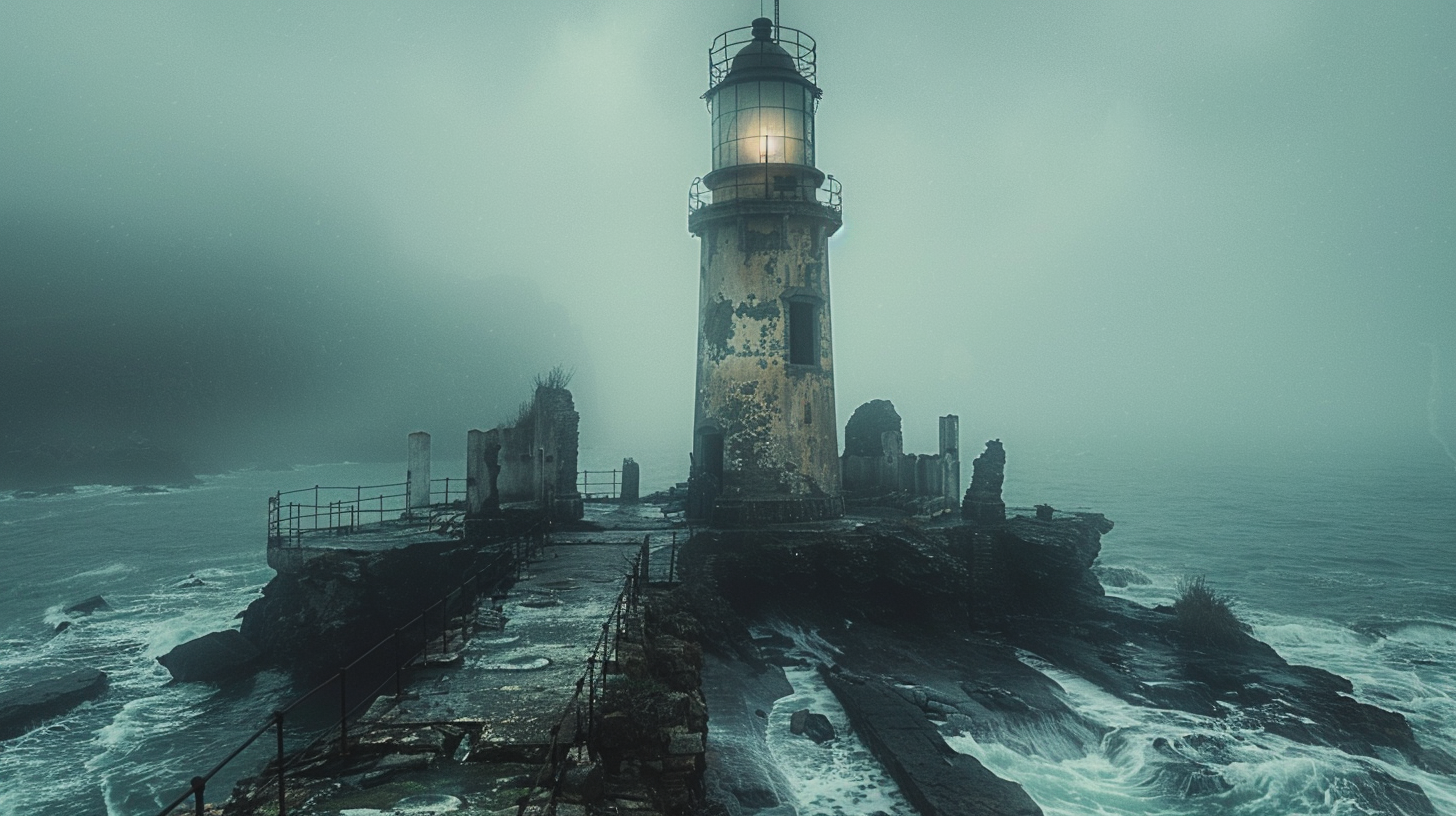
(799, 45)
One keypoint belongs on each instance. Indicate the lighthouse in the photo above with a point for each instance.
(765, 442)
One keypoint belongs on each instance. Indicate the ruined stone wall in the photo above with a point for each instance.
(778, 421)
(875, 463)
(515, 481)
(538, 456)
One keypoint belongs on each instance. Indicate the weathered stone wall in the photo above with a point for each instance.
(777, 419)
(875, 465)
(538, 455)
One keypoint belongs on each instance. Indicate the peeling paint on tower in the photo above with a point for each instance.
(765, 445)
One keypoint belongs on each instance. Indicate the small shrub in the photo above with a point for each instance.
(558, 377)
(1205, 616)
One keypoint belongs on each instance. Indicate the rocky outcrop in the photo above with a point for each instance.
(938, 615)
(324, 611)
(983, 498)
(214, 656)
(814, 726)
(95, 603)
(31, 696)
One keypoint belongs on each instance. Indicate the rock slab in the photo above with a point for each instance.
(937, 780)
(33, 695)
(214, 656)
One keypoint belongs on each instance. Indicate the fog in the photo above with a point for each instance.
(303, 230)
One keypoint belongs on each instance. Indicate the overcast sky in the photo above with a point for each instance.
(1076, 220)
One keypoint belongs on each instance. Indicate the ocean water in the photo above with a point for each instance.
(133, 750)
(1342, 559)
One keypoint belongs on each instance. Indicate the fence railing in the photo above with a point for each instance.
(599, 484)
(357, 684)
(345, 510)
(769, 188)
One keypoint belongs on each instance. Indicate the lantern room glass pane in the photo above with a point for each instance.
(754, 122)
(771, 94)
(747, 95)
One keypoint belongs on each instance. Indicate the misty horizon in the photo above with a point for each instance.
(262, 234)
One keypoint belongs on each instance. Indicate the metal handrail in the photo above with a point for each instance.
(830, 194)
(288, 521)
(799, 45)
(198, 785)
(584, 484)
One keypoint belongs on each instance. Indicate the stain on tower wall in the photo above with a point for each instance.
(780, 436)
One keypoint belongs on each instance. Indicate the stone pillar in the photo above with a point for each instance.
(983, 497)
(418, 475)
(477, 476)
(631, 481)
(950, 455)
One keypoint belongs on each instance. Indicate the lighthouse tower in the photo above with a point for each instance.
(765, 445)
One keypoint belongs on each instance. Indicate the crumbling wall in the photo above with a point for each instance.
(538, 454)
(983, 497)
(876, 469)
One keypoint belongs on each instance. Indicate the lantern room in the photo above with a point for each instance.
(761, 106)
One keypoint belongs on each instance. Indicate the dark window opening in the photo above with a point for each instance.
(808, 413)
(803, 345)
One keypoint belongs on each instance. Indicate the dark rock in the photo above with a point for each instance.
(62, 626)
(30, 696)
(865, 430)
(816, 727)
(215, 656)
(1045, 512)
(936, 779)
(1121, 577)
(582, 783)
(1184, 776)
(323, 613)
(983, 498)
(86, 607)
(191, 581)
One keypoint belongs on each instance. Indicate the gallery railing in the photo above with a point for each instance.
(767, 187)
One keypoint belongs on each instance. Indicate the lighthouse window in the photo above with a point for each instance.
(758, 122)
(803, 328)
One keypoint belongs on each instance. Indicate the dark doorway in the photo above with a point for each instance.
(710, 456)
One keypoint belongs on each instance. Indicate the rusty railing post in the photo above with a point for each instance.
(343, 712)
(398, 668)
(445, 624)
(282, 801)
(199, 786)
(591, 699)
